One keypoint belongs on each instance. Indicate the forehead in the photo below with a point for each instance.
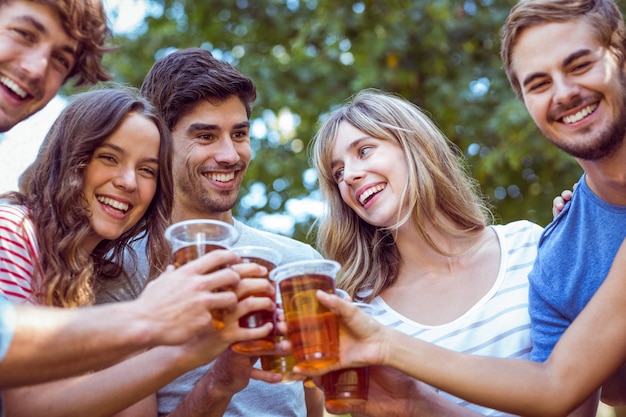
(346, 134)
(135, 129)
(223, 114)
(43, 17)
(542, 47)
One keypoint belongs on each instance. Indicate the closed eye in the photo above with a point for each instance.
(149, 171)
(107, 158)
(24, 34)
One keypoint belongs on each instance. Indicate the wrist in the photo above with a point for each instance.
(215, 390)
(125, 324)
(386, 354)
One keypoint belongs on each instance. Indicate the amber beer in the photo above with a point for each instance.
(191, 239)
(281, 365)
(313, 329)
(191, 252)
(268, 258)
(347, 386)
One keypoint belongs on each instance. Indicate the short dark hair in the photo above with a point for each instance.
(184, 78)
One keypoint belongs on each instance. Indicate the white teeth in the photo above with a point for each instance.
(221, 177)
(580, 115)
(369, 192)
(13, 87)
(113, 203)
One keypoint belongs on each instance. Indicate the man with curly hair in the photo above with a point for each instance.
(44, 44)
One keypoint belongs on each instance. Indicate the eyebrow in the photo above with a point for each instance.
(567, 61)
(197, 127)
(41, 28)
(351, 146)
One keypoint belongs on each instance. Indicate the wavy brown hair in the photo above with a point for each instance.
(603, 16)
(86, 22)
(439, 191)
(52, 189)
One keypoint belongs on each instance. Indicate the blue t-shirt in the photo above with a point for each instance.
(7, 325)
(574, 256)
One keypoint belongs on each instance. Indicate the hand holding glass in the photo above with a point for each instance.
(268, 258)
(190, 239)
(348, 386)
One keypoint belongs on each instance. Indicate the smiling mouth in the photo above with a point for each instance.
(577, 117)
(220, 177)
(117, 205)
(369, 193)
(14, 88)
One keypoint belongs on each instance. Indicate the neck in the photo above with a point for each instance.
(606, 177)
(180, 214)
(416, 254)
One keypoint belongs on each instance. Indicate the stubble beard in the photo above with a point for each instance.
(194, 193)
(605, 142)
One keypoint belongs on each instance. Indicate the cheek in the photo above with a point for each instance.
(52, 87)
(245, 152)
(345, 194)
(535, 110)
(147, 192)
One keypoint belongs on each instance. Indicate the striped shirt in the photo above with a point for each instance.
(498, 324)
(18, 254)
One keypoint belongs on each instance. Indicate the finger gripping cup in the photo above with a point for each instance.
(268, 258)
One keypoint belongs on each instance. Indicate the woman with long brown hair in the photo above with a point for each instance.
(68, 227)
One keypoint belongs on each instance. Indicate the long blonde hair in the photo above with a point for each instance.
(438, 191)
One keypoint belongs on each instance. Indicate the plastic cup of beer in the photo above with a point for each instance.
(282, 365)
(190, 239)
(348, 386)
(268, 258)
(313, 330)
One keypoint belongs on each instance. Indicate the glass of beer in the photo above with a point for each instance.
(268, 258)
(348, 386)
(313, 330)
(190, 239)
(281, 365)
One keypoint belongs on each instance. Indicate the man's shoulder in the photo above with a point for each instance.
(291, 249)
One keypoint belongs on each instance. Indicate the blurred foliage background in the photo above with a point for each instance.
(307, 56)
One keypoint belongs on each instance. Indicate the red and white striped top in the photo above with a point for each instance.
(19, 254)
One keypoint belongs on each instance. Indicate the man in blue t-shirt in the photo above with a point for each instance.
(574, 88)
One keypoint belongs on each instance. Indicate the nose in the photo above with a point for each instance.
(35, 63)
(352, 173)
(565, 90)
(126, 180)
(226, 152)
